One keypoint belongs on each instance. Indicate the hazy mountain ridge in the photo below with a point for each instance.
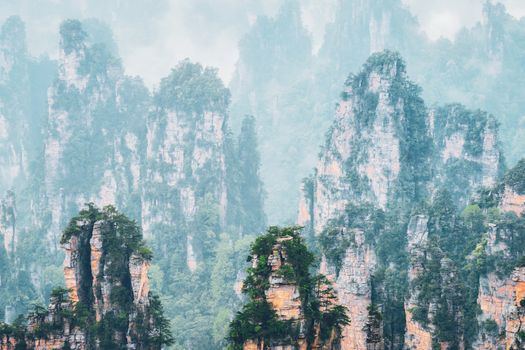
(479, 69)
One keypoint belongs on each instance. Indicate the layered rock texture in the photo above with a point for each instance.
(385, 205)
(107, 303)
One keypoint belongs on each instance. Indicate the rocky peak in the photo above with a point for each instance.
(379, 137)
(385, 147)
(186, 133)
(105, 270)
(92, 94)
(386, 156)
(72, 53)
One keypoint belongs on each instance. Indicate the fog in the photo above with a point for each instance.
(153, 35)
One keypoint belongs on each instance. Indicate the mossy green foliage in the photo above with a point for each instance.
(257, 321)
(449, 279)
(17, 331)
(193, 89)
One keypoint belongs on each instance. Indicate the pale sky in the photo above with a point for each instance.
(154, 35)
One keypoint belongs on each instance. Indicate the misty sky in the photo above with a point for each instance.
(153, 35)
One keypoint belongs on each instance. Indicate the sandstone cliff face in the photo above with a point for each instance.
(512, 201)
(191, 146)
(354, 290)
(387, 150)
(374, 169)
(501, 297)
(186, 157)
(282, 294)
(361, 159)
(501, 303)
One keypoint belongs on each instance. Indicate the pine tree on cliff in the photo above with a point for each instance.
(280, 263)
(251, 187)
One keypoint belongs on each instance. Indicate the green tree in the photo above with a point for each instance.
(258, 321)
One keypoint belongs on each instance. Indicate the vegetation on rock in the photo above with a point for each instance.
(259, 322)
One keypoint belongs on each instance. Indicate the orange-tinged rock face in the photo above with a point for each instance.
(511, 201)
(416, 338)
(43, 344)
(138, 269)
(282, 294)
(70, 267)
(500, 300)
(251, 345)
(304, 212)
(354, 290)
(285, 300)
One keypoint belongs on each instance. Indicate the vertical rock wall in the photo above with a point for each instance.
(502, 298)
(386, 149)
